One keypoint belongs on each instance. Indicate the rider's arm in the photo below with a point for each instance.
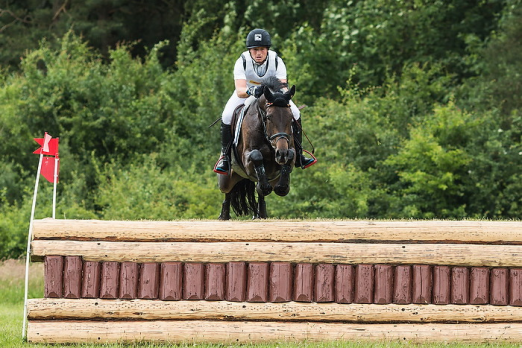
(241, 88)
(281, 72)
(240, 81)
(284, 89)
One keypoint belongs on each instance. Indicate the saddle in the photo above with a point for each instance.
(237, 121)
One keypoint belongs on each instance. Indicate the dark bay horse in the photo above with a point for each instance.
(264, 155)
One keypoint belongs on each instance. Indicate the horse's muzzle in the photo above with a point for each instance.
(284, 156)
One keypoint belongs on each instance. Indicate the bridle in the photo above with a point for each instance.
(274, 138)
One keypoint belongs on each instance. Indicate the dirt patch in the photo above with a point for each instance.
(15, 269)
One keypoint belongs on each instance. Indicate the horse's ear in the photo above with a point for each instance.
(291, 92)
(268, 94)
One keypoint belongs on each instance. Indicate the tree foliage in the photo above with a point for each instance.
(412, 107)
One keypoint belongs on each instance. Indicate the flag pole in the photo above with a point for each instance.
(56, 160)
(29, 237)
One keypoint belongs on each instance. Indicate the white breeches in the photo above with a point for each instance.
(235, 101)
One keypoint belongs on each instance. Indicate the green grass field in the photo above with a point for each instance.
(12, 275)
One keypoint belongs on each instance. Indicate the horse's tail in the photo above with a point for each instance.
(243, 198)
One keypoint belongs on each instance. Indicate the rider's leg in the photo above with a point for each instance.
(300, 160)
(223, 165)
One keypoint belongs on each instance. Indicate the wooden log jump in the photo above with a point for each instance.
(268, 281)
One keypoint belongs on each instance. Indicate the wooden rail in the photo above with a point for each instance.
(454, 232)
(262, 281)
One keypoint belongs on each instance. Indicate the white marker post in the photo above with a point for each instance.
(56, 164)
(45, 148)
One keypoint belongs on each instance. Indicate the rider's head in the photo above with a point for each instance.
(258, 42)
(258, 38)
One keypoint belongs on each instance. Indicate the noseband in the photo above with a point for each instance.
(264, 118)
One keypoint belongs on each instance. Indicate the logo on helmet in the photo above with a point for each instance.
(258, 37)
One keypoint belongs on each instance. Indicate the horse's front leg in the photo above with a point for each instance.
(283, 185)
(261, 214)
(225, 208)
(263, 186)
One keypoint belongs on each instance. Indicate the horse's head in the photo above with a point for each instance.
(278, 123)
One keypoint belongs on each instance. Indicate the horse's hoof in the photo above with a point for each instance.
(265, 190)
(281, 190)
(224, 217)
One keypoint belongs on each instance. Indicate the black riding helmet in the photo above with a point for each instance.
(258, 38)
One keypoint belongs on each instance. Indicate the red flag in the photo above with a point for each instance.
(48, 165)
(49, 146)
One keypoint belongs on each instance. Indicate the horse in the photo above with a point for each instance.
(264, 155)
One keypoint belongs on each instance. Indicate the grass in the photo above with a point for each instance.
(12, 275)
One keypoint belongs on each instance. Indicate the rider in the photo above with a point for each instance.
(250, 69)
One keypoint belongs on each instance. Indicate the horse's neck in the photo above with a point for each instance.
(257, 123)
(258, 112)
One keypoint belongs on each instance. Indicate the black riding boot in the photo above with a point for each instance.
(223, 165)
(301, 160)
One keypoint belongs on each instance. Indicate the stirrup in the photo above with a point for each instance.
(310, 162)
(218, 167)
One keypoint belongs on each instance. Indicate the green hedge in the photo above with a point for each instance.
(416, 141)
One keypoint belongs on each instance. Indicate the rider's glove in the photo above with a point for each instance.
(256, 91)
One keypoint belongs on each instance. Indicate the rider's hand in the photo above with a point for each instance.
(256, 91)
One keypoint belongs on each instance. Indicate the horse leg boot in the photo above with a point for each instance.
(263, 186)
(283, 185)
(261, 212)
(223, 165)
(300, 160)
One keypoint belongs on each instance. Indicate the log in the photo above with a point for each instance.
(148, 287)
(324, 290)
(479, 285)
(129, 272)
(215, 281)
(441, 285)
(422, 284)
(344, 283)
(72, 277)
(193, 281)
(280, 282)
(171, 281)
(262, 332)
(53, 276)
(402, 285)
(91, 279)
(257, 282)
(428, 254)
(89, 309)
(460, 285)
(110, 280)
(499, 287)
(236, 281)
(491, 232)
(383, 291)
(303, 282)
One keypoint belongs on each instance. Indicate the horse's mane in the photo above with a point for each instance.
(274, 83)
